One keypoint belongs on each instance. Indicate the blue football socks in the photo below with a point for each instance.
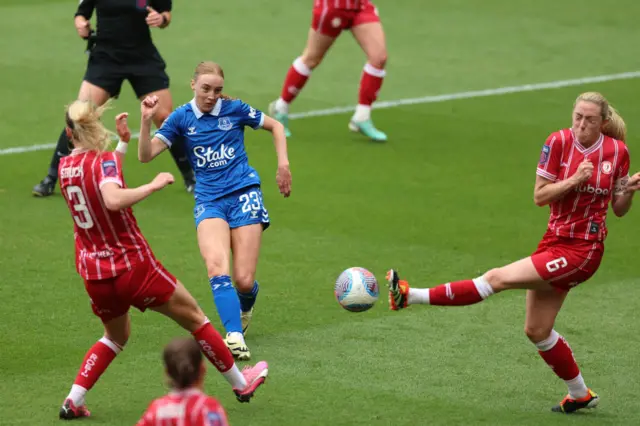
(227, 302)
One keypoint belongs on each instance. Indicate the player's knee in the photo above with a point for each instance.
(537, 333)
(120, 338)
(311, 60)
(378, 59)
(244, 281)
(496, 279)
(217, 266)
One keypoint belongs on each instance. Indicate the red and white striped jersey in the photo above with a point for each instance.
(582, 212)
(186, 408)
(107, 243)
(341, 4)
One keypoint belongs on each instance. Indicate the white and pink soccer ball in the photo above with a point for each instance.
(356, 289)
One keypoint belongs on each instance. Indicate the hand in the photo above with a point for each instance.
(163, 179)
(154, 19)
(584, 172)
(633, 184)
(122, 128)
(149, 106)
(83, 26)
(283, 178)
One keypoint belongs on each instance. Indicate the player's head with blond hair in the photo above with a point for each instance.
(84, 127)
(184, 363)
(592, 115)
(207, 84)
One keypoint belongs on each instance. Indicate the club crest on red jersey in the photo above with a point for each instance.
(606, 167)
(544, 156)
(214, 419)
(109, 169)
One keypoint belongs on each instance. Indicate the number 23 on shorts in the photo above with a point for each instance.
(251, 201)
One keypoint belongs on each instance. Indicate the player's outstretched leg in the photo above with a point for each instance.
(371, 38)
(95, 362)
(183, 309)
(521, 274)
(542, 308)
(458, 293)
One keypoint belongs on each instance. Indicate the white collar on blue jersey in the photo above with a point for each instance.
(215, 111)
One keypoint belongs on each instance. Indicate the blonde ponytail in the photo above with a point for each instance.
(615, 126)
(88, 132)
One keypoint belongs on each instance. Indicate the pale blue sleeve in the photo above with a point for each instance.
(250, 116)
(171, 130)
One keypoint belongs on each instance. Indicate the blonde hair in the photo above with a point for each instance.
(614, 124)
(87, 131)
(210, 68)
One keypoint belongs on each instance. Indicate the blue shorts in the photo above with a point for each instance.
(239, 208)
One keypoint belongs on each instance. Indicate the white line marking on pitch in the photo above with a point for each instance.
(411, 101)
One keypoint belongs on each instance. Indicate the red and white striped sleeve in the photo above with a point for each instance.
(110, 169)
(549, 163)
(148, 418)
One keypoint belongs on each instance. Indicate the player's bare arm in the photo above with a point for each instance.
(546, 191)
(124, 134)
(625, 188)
(148, 148)
(117, 198)
(283, 175)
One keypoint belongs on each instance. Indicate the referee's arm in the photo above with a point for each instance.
(82, 17)
(163, 9)
(85, 8)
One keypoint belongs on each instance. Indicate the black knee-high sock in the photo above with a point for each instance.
(62, 150)
(179, 154)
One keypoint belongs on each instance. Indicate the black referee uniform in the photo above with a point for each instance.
(121, 49)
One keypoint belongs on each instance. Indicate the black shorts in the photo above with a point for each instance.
(145, 73)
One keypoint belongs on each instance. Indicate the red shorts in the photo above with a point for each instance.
(147, 285)
(330, 21)
(567, 262)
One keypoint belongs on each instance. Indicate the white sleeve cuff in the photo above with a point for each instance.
(545, 174)
(111, 180)
(164, 139)
(259, 126)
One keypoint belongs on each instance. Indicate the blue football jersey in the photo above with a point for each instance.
(215, 145)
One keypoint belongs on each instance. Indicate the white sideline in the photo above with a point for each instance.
(411, 101)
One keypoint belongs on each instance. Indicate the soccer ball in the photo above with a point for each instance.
(356, 289)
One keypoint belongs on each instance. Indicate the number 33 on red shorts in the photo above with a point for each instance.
(567, 262)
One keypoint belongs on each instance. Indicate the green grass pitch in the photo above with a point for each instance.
(448, 197)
